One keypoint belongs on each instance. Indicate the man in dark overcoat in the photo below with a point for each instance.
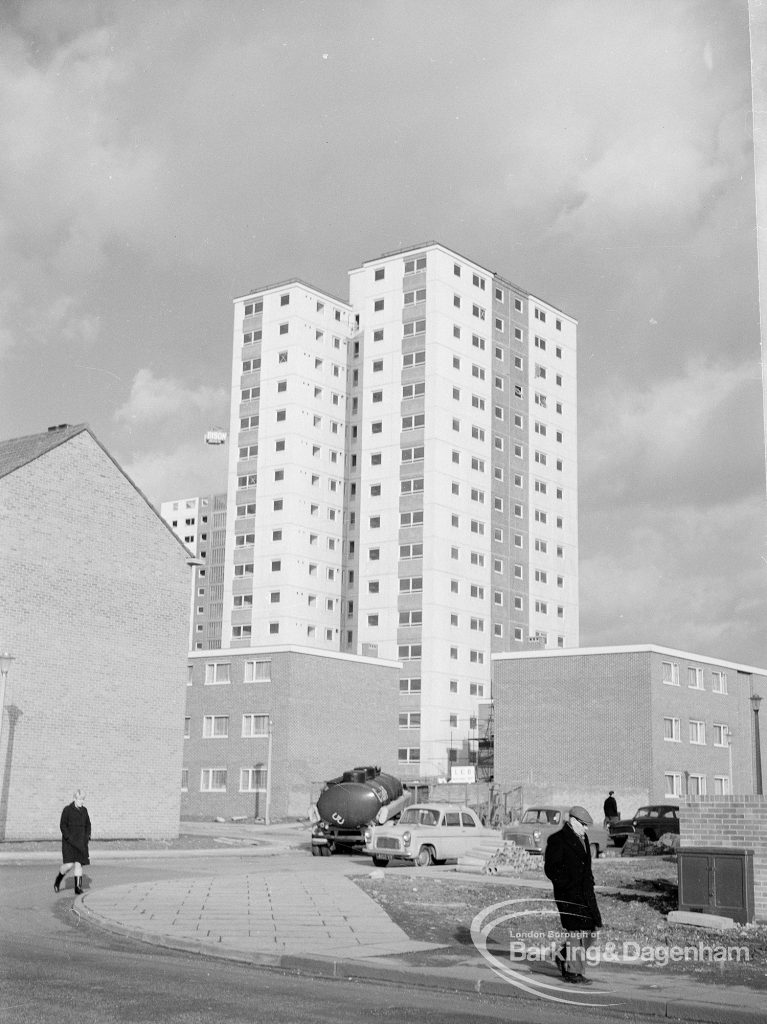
(611, 808)
(75, 825)
(567, 863)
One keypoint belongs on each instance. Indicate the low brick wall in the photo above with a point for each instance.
(730, 821)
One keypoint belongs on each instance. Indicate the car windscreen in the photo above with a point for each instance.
(419, 816)
(530, 817)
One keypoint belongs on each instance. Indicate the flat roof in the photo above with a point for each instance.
(286, 284)
(433, 244)
(574, 652)
(265, 651)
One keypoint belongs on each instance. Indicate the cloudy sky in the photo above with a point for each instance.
(161, 158)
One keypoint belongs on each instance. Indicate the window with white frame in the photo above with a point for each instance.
(673, 784)
(409, 755)
(719, 682)
(410, 720)
(215, 727)
(670, 672)
(721, 785)
(213, 780)
(255, 725)
(253, 780)
(721, 734)
(697, 732)
(217, 673)
(410, 684)
(257, 671)
(672, 730)
(696, 785)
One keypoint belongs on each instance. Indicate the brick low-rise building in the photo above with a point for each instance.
(265, 727)
(654, 724)
(94, 608)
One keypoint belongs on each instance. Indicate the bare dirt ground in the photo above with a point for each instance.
(440, 909)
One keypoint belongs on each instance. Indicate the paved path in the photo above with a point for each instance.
(279, 913)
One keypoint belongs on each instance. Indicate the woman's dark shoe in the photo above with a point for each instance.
(78, 887)
(58, 881)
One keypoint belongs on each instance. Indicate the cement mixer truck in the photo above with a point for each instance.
(352, 801)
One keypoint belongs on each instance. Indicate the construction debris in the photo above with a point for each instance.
(493, 858)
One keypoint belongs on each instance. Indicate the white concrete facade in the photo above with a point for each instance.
(403, 480)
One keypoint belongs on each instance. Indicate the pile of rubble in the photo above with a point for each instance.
(490, 858)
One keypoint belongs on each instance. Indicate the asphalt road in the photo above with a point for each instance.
(56, 968)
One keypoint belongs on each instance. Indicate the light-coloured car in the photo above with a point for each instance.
(427, 834)
(532, 831)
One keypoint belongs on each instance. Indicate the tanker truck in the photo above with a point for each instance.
(356, 799)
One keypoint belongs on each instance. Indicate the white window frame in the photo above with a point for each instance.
(676, 729)
(674, 790)
(207, 779)
(249, 723)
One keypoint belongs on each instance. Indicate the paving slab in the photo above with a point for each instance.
(292, 913)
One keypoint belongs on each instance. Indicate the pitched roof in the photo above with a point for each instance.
(18, 451)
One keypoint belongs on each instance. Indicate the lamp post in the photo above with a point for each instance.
(268, 807)
(5, 664)
(756, 700)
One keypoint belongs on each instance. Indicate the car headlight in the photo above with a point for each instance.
(367, 835)
(406, 837)
(537, 835)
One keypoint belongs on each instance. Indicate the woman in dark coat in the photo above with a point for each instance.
(75, 827)
(567, 863)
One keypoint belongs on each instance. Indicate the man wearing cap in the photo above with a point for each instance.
(611, 808)
(567, 863)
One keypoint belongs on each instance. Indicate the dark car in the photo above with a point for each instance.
(653, 821)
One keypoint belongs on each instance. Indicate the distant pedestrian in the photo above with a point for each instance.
(611, 809)
(567, 863)
(75, 828)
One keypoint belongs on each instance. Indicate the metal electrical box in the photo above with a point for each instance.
(716, 880)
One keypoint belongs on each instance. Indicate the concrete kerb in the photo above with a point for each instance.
(453, 979)
(225, 851)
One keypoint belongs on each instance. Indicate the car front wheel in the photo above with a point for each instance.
(380, 862)
(425, 857)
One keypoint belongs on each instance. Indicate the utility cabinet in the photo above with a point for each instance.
(715, 880)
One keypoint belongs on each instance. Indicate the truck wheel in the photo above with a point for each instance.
(425, 857)
(380, 862)
(315, 851)
(595, 851)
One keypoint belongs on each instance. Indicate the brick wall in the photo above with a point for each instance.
(730, 821)
(569, 729)
(94, 598)
(329, 713)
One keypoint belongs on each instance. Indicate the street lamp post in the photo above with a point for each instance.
(5, 664)
(756, 700)
(268, 807)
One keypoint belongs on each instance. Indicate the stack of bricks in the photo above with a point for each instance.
(730, 822)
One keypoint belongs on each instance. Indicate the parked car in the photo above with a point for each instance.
(535, 826)
(653, 820)
(426, 834)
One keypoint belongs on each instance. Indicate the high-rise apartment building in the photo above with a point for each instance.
(201, 524)
(403, 480)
